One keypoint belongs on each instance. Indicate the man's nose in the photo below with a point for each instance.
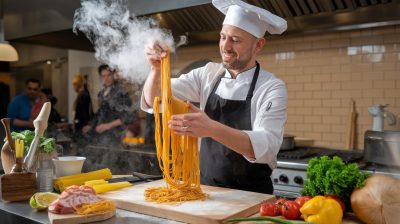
(226, 45)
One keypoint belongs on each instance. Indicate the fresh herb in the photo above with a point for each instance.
(46, 145)
(265, 218)
(332, 176)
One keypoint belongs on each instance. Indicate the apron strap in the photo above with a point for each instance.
(252, 85)
(253, 82)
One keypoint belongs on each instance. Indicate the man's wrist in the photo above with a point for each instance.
(214, 129)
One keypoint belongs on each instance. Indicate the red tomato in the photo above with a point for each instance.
(338, 199)
(278, 205)
(303, 199)
(291, 210)
(268, 209)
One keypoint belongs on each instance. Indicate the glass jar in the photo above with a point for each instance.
(44, 176)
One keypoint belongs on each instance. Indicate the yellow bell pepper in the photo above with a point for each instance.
(322, 210)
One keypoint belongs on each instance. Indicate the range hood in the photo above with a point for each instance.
(49, 22)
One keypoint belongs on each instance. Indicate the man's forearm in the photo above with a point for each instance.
(234, 139)
(22, 123)
(115, 123)
(152, 86)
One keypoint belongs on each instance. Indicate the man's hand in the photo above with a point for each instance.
(196, 123)
(155, 51)
(86, 129)
(102, 128)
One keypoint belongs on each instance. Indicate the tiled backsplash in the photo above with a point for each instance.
(322, 73)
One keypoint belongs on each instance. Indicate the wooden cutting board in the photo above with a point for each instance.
(75, 219)
(223, 203)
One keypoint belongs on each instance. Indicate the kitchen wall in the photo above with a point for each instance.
(48, 64)
(322, 73)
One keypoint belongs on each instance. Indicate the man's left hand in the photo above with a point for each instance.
(196, 123)
(102, 128)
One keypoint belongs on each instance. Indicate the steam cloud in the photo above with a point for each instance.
(119, 38)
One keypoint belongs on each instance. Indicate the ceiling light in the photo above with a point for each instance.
(8, 52)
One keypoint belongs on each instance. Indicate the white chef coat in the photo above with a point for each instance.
(268, 104)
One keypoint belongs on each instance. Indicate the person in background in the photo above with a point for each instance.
(55, 120)
(242, 106)
(20, 108)
(82, 108)
(114, 114)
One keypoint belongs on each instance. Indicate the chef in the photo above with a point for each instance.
(242, 107)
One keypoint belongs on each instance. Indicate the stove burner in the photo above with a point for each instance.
(297, 154)
(301, 153)
(349, 157)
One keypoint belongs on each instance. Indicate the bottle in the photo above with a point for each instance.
(44, 176)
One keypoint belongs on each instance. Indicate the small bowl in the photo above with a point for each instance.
(68, 165)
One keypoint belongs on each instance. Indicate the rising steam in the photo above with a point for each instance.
(119, 38)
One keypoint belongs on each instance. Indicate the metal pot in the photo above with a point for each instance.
(288, 142)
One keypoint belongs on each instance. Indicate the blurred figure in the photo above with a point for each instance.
(114, 114)
(82, 108)
(19, 109)
(55, 120)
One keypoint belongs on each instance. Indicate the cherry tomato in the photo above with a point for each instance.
(291, 210)
(338, 199)
(278, 205)
(303, 199)
(268, 209)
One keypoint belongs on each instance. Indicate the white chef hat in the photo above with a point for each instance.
(250, 18)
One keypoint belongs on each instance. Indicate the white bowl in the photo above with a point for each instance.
(68, 165)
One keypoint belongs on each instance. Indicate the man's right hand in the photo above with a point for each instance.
(155, 51)
(86, 129)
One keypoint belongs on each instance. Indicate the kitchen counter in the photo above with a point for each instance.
(21, 212)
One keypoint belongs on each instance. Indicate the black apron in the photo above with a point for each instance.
(221, 166)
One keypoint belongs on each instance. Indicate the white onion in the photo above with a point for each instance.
(378, 202)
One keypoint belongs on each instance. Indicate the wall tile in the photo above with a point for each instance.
(323, 72)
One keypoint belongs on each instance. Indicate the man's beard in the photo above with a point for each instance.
(237, 64)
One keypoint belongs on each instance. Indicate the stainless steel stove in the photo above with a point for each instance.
(288, 178)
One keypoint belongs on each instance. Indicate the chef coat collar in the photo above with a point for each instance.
(245, 76)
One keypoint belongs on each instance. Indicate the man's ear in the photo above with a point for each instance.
(260, 42)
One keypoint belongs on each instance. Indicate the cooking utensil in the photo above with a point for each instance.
(351, 126)
(222, 203)
(18, 185)
(288, 142)
(382, 147)
(8, 150)
(40, 124)
(136, 177)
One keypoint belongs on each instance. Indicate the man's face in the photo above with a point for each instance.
(32, 90)
(237, 47)
(107, 76)
(76, 86)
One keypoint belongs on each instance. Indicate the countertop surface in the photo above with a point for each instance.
(21, 212)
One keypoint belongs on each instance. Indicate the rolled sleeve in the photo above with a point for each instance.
(268, 126)
(144, 106)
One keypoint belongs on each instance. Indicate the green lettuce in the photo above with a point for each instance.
(47, 145)
(332, 176)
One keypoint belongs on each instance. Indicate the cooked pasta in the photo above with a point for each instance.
(178, 156)
(100, 207)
